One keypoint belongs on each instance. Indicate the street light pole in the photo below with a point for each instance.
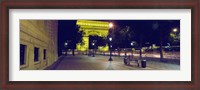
(110, 59)
(131, 48)
(66, 47)
(175, 30)
(110, 39)
(93, 44)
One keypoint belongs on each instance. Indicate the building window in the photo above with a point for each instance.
(22, 54)
(36, 54)
(44, 57)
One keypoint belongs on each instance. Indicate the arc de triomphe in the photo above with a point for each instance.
(90, 27)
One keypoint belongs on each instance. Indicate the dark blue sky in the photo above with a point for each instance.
(66, 28)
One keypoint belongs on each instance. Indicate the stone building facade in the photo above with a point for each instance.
(38, 44)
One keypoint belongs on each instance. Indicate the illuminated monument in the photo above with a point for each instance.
(88, 27)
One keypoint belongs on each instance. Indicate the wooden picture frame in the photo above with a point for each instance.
(100, 4)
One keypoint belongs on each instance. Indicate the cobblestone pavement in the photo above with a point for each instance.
(99, 62)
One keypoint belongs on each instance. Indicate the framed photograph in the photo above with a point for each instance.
(140, 45)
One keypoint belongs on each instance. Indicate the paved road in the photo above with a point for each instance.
(99, 62)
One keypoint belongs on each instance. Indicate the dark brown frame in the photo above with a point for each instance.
(99, 4)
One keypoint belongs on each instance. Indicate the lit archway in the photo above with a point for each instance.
(99, 28)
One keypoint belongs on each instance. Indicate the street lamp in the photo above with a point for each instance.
(93, 44)
(111, 25)
(66, 43)
(132, 43)
(66, 47)
(110, 39)
(175, 30)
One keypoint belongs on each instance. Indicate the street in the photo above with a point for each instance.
(100, 62)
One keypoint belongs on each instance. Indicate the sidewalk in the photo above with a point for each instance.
(99, 62)
(149, 58)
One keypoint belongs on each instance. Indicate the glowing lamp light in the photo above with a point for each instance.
(131, 44)
(175, 30)
(110, 38)
(66, 44)
(111, 25)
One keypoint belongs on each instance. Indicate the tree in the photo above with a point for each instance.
(159, 32)
(77, 38)
(122, 38)
(100, 41)
(142, 35)
(117, 39)
(174, 39)
(145, 33)
(97, 40)
(162, 31)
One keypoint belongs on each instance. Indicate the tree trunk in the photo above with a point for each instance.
(118, 53)
(125, 53)
(161, 50)
(141, 38)
(118, 50)
(73, 52)
(140, 53)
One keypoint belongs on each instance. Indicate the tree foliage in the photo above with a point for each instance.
(122, 37)
(157, 32)
(98, 40)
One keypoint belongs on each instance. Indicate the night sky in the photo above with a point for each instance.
(66, 28)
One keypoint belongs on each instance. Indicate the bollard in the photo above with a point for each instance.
(138, 63)
(143, 63)
(125, 60)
